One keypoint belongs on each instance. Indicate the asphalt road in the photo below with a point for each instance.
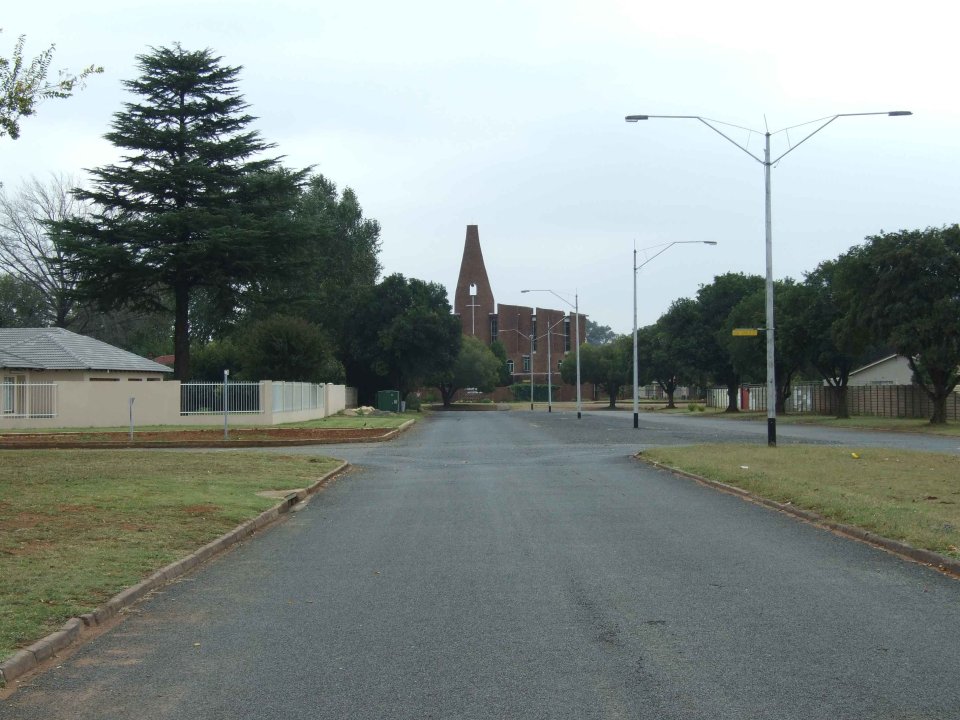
(518, 565)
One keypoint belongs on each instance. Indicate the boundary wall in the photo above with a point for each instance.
(108, 404)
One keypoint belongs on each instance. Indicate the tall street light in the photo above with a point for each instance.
(636, 374)
(767, 164)
(576, 318)
(550, 365)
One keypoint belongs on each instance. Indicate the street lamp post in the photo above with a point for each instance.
(768, 224)
(636, 364)
(549, 372)
(550, 366)
(531, 371)
(576, 317)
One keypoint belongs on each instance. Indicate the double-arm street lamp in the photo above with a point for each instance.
(576, 318)
(636, 374)
(550, 366)
(767, 163)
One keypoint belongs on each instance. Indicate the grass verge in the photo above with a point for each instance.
(856, 422)
(334, 421)
(913, 497)
(364, 421)
(77, 527)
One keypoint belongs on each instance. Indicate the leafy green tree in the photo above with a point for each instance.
(188, 208)
(610, 366)
(715, 301)
(210, 360)
(475, 366)
(839, 342)
(23, 85)
(599, 334)
(336, 258)
(795, 305)
(287, 348)
(667, 350)
(20, 303)
(906, 287)
(402, 333)
(504, 376)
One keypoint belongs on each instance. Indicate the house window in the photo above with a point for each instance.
(566, 334)
(526, 363)
(533, 331)
(559, 364)
(510, 366)
(494, 328)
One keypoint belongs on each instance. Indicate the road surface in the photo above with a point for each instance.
(522, 565)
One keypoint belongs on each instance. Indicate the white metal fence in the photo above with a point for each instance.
(294, 396)
(754, 397)
(28, 400)
(208, 398)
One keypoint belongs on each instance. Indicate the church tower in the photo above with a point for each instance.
(473, 300)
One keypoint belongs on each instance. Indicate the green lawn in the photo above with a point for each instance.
(78, 526)
(913, 497)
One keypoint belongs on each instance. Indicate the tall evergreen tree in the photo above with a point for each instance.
(191, 206)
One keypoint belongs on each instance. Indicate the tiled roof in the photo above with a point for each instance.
(59, 349)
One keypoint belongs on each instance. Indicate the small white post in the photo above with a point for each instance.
(226, 404)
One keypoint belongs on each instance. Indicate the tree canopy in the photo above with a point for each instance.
(287, 348)
(906, 287)
(715, 302)
(402, 333)
(668, 351)
(599, 334)
(475, 366)
(609, 365)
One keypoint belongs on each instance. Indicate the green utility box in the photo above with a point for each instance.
(388, 400)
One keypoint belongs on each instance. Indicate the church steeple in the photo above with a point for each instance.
(473, 300)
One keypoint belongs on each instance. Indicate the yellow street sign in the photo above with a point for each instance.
(745, 332)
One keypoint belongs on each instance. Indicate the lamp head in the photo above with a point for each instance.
(635, 118)
(898, 113)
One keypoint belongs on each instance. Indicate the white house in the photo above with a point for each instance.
(33, 361)
(891, 370)
(53, 378)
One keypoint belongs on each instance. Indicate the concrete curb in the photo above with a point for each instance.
(109, 445)
(924, 557)
(23, 661)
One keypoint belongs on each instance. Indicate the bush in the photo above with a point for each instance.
(208, 362)
(288, 348)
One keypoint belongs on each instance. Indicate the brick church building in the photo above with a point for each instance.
(525, 332)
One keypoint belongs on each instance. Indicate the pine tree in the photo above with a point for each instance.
(192, 206)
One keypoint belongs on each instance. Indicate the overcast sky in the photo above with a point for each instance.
(510, 116)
